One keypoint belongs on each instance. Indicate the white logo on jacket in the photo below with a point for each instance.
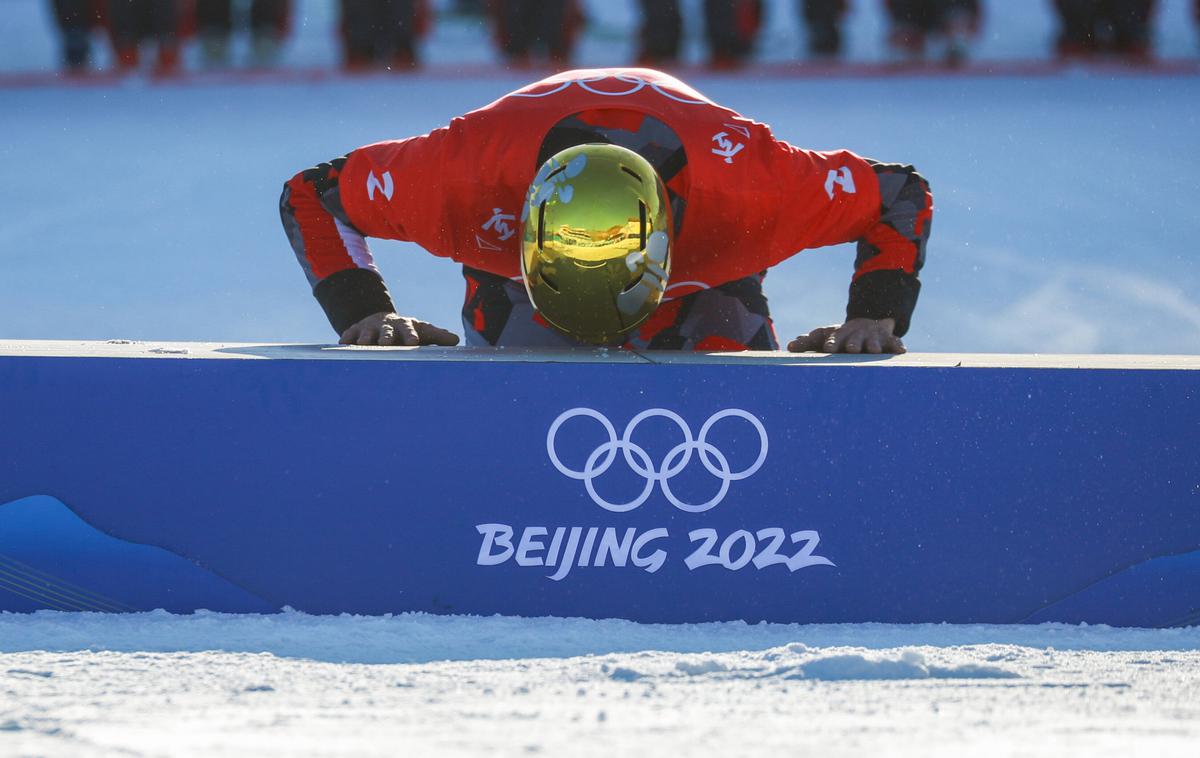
(726, 148)
(840, 177)
(386, 186)
(501, 223)
(675, 461)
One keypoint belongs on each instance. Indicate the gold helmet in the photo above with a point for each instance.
(596, 241)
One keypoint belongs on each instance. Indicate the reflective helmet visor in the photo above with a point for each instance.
(596, 242)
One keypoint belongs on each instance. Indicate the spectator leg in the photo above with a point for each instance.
(731, 26)
(959, 22)
(662, 29)
(518, 35)
(268, 25)
(909, 24)
(553, 33)
(214, 22)
(396, 33)
(269, 15)
(1077, 31)
(74, 19)
(123, 30)
(1127, 25)
(358, 24)
(747, 21)
(718, 20)
(161, 23)
(823, 19)
(962, 14)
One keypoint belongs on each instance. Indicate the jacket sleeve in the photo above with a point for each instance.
(331, 250)
(892, 250)
(834, 197)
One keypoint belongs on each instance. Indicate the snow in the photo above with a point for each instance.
(145, 210)
(156, 684)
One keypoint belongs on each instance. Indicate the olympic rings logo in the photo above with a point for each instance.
(628, 83)
(675, 461)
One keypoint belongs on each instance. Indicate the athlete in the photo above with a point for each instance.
(609, 207)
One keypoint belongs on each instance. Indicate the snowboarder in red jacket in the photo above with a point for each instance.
(706, 201)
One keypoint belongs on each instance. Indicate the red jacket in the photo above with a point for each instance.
(752, 200)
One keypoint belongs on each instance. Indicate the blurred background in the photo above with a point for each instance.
(147, 142)
(179, 36)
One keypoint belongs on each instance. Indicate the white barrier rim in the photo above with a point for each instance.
(282, 351)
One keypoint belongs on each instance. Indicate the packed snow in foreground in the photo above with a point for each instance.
(156, 684)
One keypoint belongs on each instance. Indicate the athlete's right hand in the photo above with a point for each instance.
(394, 329)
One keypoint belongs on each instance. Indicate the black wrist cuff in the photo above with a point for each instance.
(884, 294)
(351, 295)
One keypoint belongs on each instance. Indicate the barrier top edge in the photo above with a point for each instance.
(264, 351)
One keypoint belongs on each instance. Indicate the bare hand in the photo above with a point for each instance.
(393, 329)
(858, 335)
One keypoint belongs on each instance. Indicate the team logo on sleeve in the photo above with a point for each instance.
(840, 177)
(500, 227)
(727, 145)
(386, 186)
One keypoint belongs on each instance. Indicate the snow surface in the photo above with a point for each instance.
(156, 684)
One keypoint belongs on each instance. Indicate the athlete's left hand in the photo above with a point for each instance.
(858, 335)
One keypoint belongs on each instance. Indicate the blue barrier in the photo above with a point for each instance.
(659, 488)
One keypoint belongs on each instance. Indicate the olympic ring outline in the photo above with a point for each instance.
(675, 461)
(700, 286)
(586, 82)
